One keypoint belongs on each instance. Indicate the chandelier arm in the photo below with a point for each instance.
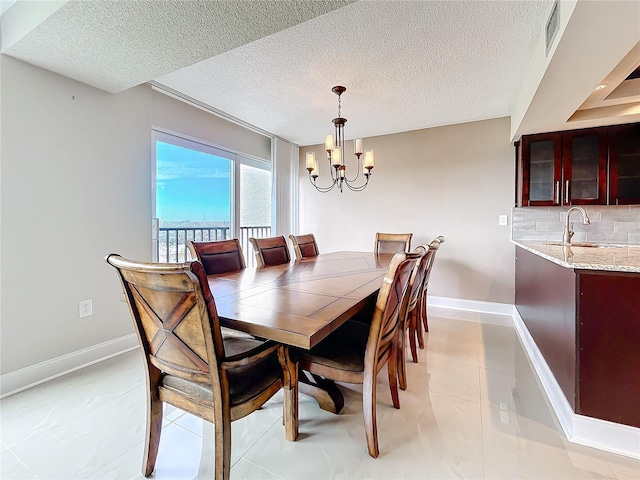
(358, 170)
(323, 189)
(358, 188)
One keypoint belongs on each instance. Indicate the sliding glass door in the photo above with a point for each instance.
(204, 193)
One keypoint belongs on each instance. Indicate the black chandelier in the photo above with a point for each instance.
(334, 145)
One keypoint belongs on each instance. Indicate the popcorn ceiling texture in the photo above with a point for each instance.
(117, 45)
(407, 65)
(609, 224)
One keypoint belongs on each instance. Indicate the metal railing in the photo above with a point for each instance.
(172, 241)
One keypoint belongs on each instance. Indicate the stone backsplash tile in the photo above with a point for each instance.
(609, 224)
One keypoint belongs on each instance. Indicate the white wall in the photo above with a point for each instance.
(452, 181)
(75, 185)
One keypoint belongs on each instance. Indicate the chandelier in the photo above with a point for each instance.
(334, 145)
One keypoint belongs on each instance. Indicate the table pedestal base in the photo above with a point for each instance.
(326, 393)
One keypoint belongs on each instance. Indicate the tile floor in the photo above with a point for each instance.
(473, 409)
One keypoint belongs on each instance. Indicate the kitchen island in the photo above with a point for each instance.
(581, 305)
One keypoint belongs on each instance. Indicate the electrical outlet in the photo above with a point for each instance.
(503, 220)
(85, 308)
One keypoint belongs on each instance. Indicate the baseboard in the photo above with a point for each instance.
(591, 432)
(470, 305)
(19, 380)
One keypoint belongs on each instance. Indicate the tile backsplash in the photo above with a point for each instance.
(609, 224)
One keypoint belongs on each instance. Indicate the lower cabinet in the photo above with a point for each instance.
(586, 324)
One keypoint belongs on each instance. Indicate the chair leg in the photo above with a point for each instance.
(402, 369)
(369, 410)
(222, 434)
(412, 336)
(425, 321)
(392, 371)
(418, 330)
(154, 425)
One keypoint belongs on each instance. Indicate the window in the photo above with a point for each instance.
(204, 193)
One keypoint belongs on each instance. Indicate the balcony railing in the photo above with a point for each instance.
(172, 241)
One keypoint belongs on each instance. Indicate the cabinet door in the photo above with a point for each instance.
(584, 165)
(541, 169)
(624, 166)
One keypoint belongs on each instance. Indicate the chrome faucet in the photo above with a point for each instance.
(568, 227)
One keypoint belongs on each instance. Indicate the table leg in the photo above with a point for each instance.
(326, 393)
(290, 386)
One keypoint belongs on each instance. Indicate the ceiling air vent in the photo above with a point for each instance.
(552, 25)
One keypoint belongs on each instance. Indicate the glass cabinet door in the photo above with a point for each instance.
(584, 163)
(542, 168)
(624, 151)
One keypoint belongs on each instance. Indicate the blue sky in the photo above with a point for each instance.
(191, 185)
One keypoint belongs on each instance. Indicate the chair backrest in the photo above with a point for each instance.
(218, 257)
(392, 242)
(390, 302)
(174, 316)
(304, 246)
(270, 251)
(433, 248)
(417, 278)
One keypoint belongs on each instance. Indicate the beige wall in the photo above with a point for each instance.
(75, 185)
(453, 181)
(175, 116)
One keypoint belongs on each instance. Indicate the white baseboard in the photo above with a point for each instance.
(21, 379)
(592, 432)
(474, 306)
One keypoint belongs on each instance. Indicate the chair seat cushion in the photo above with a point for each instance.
(244, 383)
(343, 350)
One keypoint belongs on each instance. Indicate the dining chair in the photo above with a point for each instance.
(409, 315)
(392, 242)
(422, 308)
(356, 352)
(188, 363)
(304, 246)
(270, 251)
(218, 257)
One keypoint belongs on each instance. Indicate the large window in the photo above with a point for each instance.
(204, 193)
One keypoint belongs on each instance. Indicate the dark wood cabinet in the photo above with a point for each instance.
(586, 324)
(624, 164)
(563, 168)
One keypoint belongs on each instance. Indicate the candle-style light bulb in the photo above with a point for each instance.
(311, 160)
(336, 157)
(369, 161)
(328, 143)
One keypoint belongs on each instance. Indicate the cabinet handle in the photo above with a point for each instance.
(566, 193)
(556, 197)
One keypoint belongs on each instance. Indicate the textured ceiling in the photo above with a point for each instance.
(406, 64)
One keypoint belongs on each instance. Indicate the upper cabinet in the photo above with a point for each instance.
(594, 166)
(624, 169)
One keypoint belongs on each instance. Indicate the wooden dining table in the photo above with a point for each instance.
(298, 304)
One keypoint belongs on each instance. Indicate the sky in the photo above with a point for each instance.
(191, 185)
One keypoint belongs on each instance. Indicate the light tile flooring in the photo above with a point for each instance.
(473, 409)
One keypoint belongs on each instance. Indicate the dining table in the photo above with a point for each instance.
(298, 304)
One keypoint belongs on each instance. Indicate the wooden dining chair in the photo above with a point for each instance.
(188, 363)
(392, 242)
(422, 308)
(270, 251)
(356, 352)
(304, 246)
(218, 257)
(409, 316)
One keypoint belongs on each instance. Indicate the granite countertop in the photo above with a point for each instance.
(618, 258)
